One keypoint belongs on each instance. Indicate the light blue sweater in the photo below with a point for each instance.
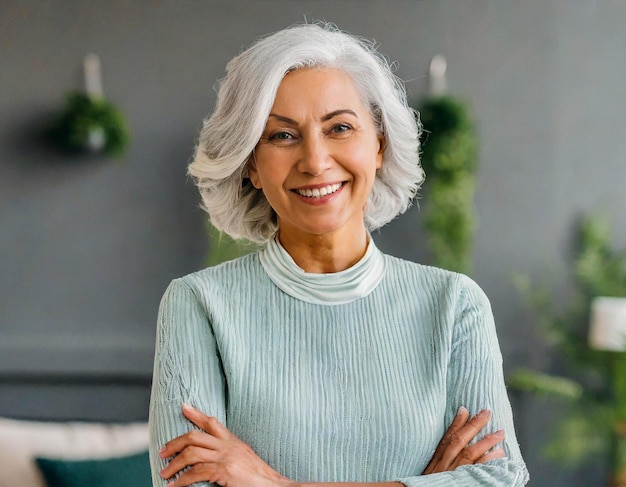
(361, 390)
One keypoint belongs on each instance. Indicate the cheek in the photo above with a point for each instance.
(368, 160)
(270, 181)
(258, 169)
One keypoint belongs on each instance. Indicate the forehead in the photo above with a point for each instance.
(318, 89)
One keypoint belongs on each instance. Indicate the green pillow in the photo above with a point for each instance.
(132, 471)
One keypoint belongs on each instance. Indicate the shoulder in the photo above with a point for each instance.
(217, 280)
(429, 276)
(446, 286)
(210, 292)
(224, 272)
(453, 296)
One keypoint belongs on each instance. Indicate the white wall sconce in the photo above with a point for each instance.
(607, 330)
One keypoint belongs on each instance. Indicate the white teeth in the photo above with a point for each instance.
(319, 192)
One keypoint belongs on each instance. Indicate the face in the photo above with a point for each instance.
(317, 159)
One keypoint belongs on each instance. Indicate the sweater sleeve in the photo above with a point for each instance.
(475, 380)
(187, 369)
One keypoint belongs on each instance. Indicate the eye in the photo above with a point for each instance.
(340, 128)
(281, 136)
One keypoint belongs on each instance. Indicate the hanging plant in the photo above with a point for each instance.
(88, 122)
(449, 158)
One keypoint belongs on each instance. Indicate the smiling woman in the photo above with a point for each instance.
(316, 163)
(318, 359)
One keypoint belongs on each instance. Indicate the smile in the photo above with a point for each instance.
(318, 192)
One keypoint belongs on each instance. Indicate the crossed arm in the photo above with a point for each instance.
(211, 453)
(214, 454)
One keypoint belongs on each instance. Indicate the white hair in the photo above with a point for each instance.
(244, 101)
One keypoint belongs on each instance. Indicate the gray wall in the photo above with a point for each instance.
(87, 245)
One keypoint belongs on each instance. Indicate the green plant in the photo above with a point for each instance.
(595, 385)
(449, 158)
(89, 123)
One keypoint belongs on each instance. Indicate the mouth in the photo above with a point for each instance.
(318, 192)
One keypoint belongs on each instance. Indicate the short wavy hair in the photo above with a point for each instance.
(244, 101)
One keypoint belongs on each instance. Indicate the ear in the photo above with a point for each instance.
(253, 174)
(382, 143)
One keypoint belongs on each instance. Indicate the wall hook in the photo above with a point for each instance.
(93, 76)
(438, 84)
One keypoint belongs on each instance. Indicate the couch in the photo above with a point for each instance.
(60, 454)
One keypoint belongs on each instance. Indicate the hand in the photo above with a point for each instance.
(454, 449)
(215, 455)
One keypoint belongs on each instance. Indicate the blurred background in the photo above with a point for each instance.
(89, 243)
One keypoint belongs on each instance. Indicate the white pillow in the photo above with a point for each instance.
(22, 441)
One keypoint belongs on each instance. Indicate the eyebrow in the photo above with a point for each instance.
(325, 118)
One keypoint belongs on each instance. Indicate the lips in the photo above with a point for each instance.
(318, 192)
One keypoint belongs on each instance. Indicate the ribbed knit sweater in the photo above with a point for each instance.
(358, 390)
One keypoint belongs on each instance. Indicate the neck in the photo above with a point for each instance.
(328, 253)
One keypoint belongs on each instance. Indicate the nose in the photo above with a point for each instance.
(315, 156)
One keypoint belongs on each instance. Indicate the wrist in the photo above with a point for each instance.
(289, 483)
(285, 482)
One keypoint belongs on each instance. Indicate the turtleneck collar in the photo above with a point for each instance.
(327, 289)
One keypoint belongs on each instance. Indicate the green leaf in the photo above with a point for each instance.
(529, 380)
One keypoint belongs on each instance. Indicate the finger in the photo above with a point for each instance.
(191, 438)
(492, 455)
(206, 423)
(460, 439)
(190, 456)
(472, 453)
(457, 423)
(197, 473)
(459, 420)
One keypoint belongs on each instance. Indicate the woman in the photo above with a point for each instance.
(318, 358)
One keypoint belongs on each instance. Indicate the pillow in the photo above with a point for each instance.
(21, 441)
(132, 470)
